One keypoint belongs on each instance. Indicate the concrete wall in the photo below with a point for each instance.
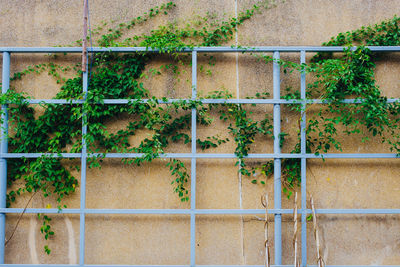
(138, 239)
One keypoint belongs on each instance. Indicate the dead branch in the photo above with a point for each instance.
(320, 261)
(19, 219)
(264, 202)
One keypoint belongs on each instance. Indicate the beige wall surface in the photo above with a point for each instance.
(145, 239)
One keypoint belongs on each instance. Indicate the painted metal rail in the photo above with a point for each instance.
(277, 155)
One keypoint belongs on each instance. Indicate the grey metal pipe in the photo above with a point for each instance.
(277, 161)
(4, 149)
(220, 49)
(193, 165)
(204, 101)
(111, 265)
(199, 211)
(83, 176)
(303, 164)
(209, 155)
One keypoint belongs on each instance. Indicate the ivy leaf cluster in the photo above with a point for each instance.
(58, 129)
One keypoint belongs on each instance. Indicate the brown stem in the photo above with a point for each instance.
(295, 232)
(320, 261)
(19, 220)
(264, 202)
(84, 40)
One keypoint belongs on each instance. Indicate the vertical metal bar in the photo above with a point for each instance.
(277, 161)
(83, 176)
(4, 149)
(303, 163)
(193, 166)
(84, 133)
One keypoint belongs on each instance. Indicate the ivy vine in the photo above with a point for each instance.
(117, 76)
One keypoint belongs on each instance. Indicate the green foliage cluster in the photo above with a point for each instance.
(348, 76)
(385, 33)
(58, 129)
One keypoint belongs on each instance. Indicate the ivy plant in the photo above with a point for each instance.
(58, 129)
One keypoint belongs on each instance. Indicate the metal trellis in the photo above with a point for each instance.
(193, 211)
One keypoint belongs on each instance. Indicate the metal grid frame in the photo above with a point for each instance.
(193, 211)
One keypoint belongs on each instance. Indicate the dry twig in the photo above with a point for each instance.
(19, 219)
(320, 261)
(295, 233)
(264, 202)
(84, 39)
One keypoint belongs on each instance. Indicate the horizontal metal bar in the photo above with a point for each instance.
(225, 49)
(38, 155)
(345, 156)
(197, 211)
(292, 49)
(97, 265)
(208, 155)
(204, 101)
(354, 211)
(272, 265)
(146, 211)
(60, 101)
(110, 265)
(169, 101)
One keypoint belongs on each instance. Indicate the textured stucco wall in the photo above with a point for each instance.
(220, 239)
